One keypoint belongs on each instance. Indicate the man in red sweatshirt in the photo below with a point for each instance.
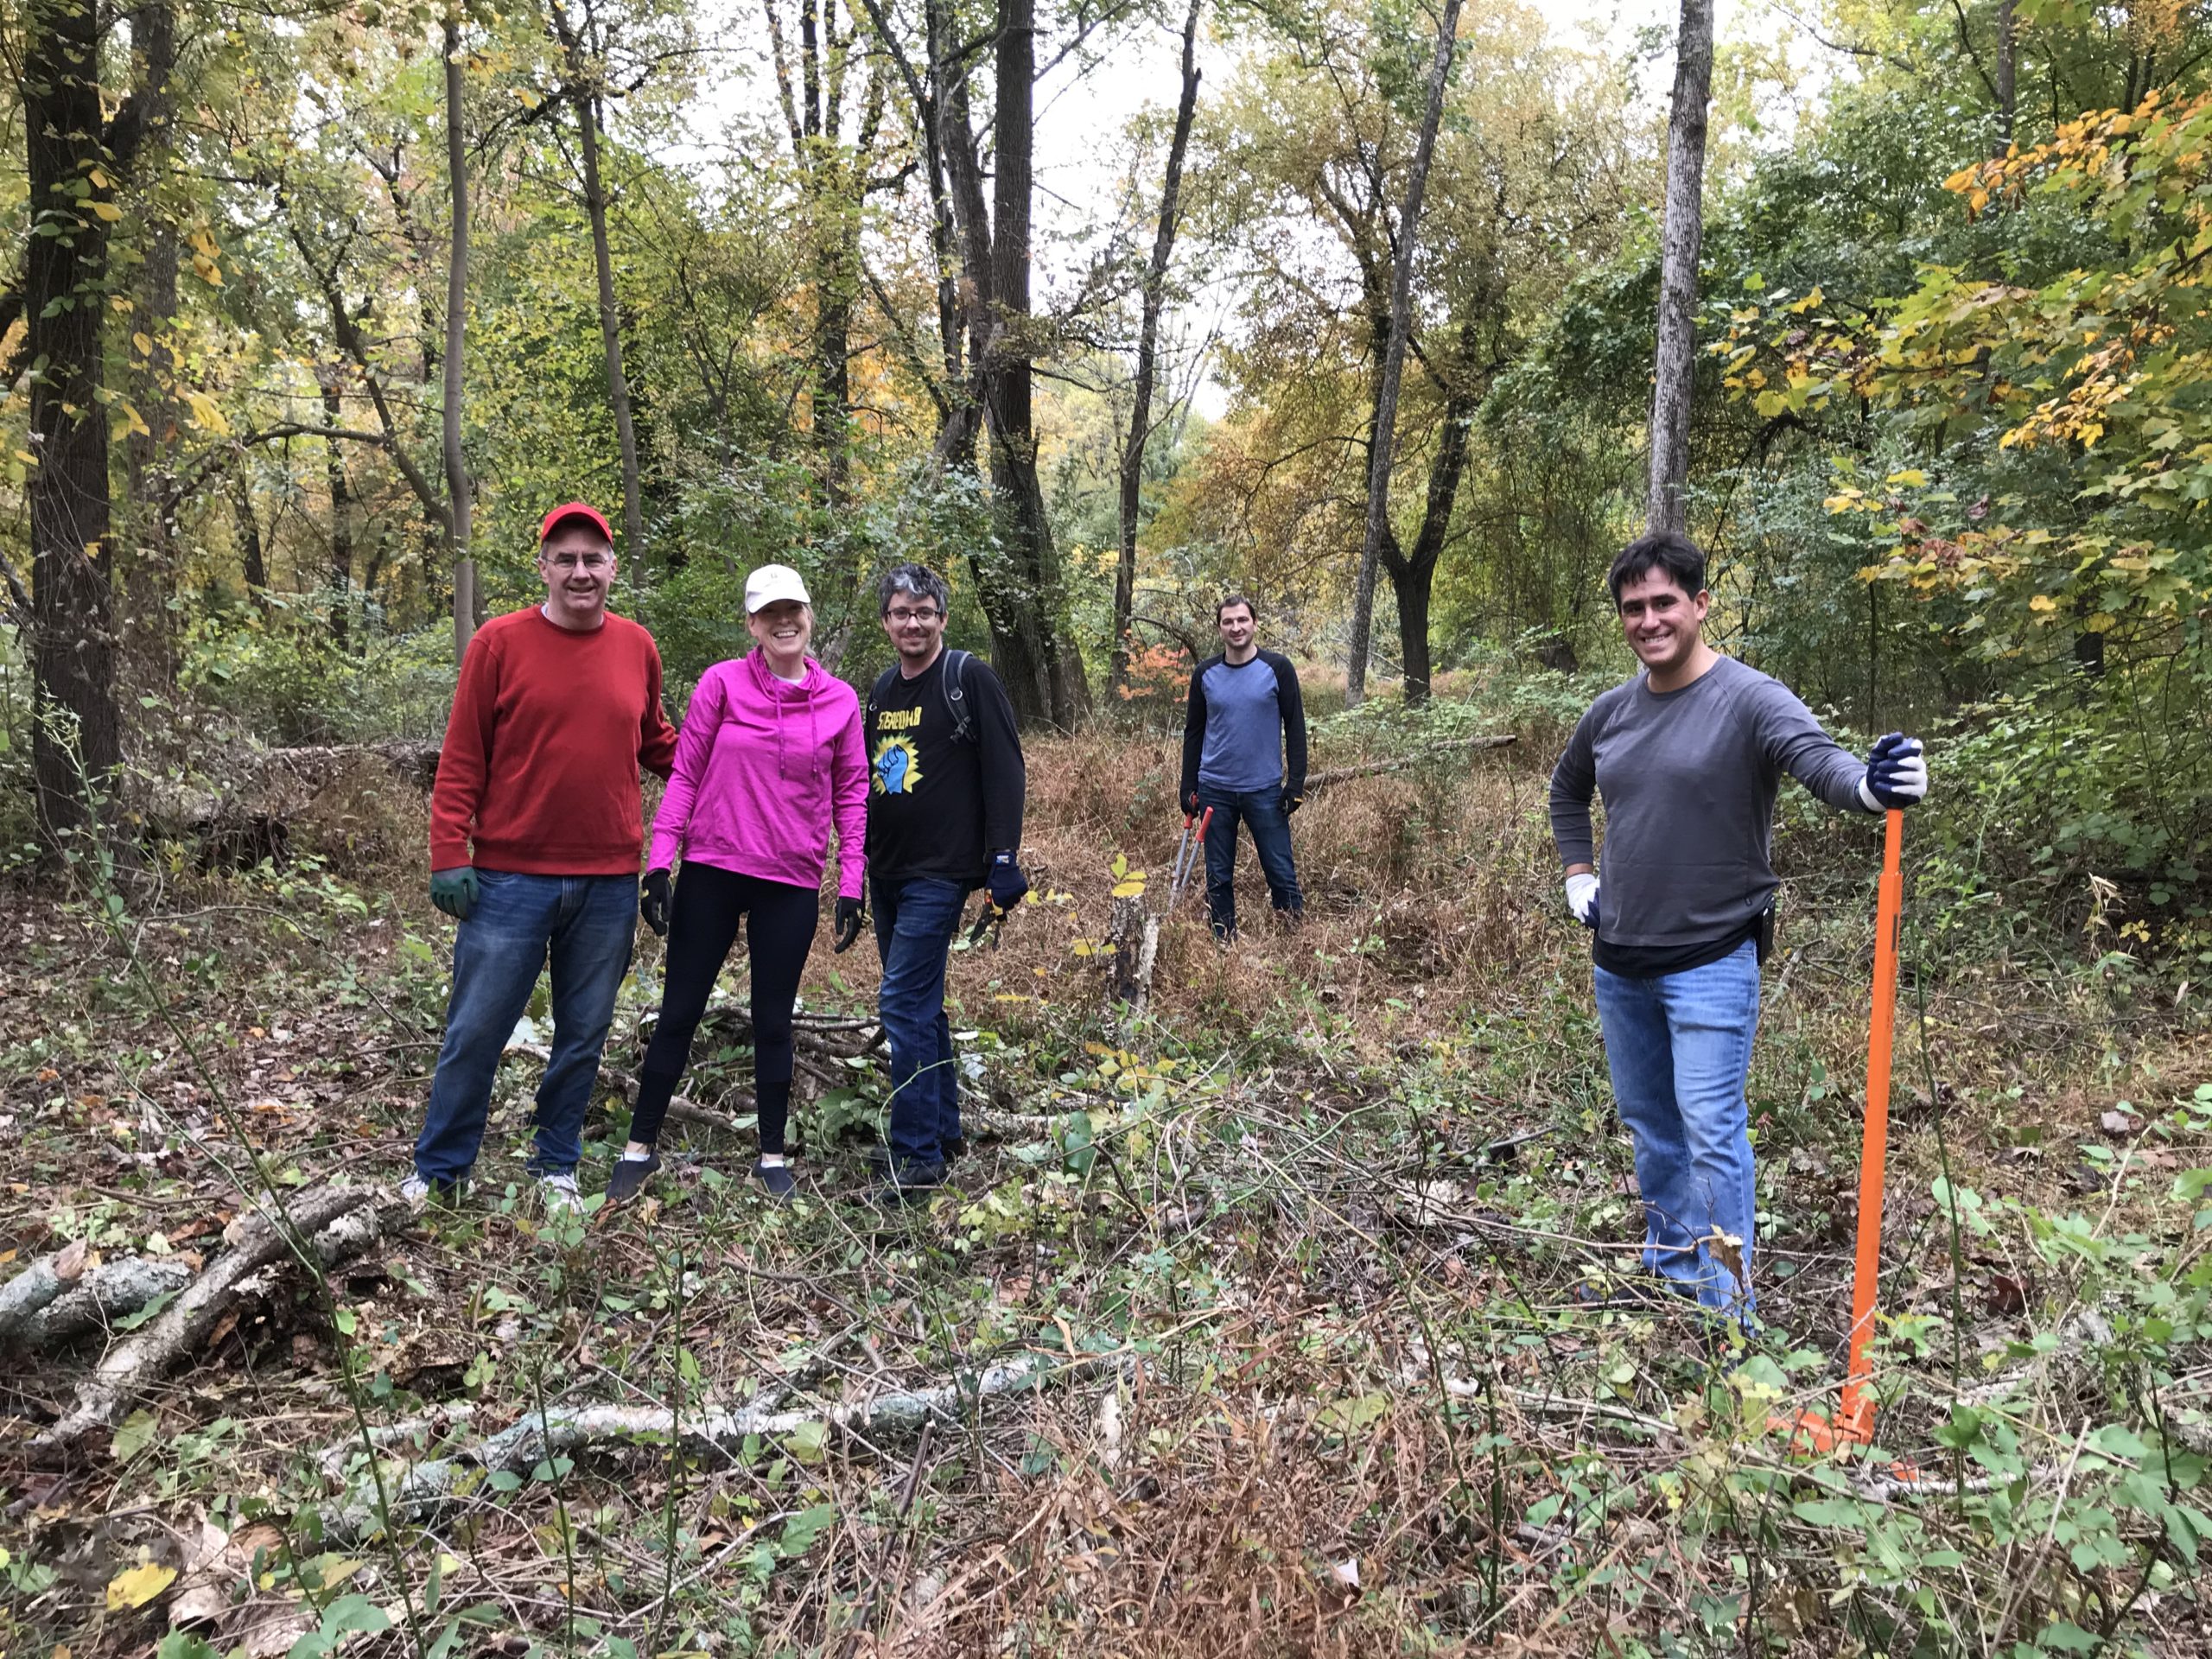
(557, 709)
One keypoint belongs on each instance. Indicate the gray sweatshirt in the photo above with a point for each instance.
(1689, 779)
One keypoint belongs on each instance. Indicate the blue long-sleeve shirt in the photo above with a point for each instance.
(1245, 729)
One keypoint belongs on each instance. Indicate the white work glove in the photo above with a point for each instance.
(1896, 774)
(1582, 898)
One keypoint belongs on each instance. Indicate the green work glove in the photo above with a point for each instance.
(454, 891)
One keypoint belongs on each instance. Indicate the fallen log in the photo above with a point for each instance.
(37, 1287)
(1375, 768)
(412, 1494)
(681, 1108)
(111, 1291)
(335, 1221)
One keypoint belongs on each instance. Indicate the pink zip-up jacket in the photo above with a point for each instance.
(762, 770)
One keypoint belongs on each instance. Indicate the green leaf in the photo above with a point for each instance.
(136, 1433)
(802, 1528)
(2066, 1636)
(805, 1442)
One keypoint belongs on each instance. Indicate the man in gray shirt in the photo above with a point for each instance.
(1689, 756)
(1244, 758)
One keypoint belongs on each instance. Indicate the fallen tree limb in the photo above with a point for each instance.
(334, 1222)
(1375, 768)
(412, 1494)
(109, 1291)
(681, 1108)
(36, 1288)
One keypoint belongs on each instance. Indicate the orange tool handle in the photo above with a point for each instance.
(1856, 1420)
(1204, 822)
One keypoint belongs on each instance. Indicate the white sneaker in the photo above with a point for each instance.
(418, 1192)
(559, 1194)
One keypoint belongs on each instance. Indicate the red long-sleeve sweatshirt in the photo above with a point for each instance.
(540, 757)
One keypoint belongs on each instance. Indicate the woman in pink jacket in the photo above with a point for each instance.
(769, 759)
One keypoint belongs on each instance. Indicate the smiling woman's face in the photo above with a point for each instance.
(782, 628)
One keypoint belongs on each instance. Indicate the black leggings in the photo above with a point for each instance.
(701, 927)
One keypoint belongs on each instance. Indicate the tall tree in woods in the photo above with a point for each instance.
(460, 494)
(75, 155)
(1018, 581)
(149, 444)
(1155, 290)
(1383, 441)
(583, 85)
(1681, 240)
(831, 94)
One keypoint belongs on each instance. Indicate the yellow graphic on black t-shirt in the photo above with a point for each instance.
(897, 767)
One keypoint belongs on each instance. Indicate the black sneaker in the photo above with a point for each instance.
(777, 1180)
(630, 1177)
(902, 1181)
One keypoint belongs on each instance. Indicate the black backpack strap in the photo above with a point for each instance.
(878, 692)
(955, 695)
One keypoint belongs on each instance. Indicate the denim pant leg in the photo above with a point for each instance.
(915, 921)
(1712, 1013)
(1639, 1053)
(1270, 827)
(1221, 857)
(497, 954)
(591, 953)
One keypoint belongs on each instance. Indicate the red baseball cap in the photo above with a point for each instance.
(576, 510)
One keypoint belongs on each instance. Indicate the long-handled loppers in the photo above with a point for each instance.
(1188, 852)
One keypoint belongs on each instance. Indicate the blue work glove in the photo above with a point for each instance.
(1006, 883)
(849, 926)
(652, 901)
(1896, 774)
(1582, 898)
(454, 891)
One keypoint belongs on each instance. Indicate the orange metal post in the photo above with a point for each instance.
(1856, 1420)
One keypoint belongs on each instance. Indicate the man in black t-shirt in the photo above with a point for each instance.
(945, 788)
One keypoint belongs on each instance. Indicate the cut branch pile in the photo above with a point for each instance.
(335, 1223)
(412, 1495)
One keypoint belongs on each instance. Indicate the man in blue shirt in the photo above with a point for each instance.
(1245, 712)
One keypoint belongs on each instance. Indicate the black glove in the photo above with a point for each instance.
(1190, 802)
(1006, 883)
(652, 901)
(1291, 803)
(848, 924)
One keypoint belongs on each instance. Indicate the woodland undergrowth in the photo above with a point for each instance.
(1259, 1324)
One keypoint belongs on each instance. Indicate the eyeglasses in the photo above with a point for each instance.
(901, 617)
(575, 560)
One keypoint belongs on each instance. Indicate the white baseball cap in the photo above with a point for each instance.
(772, 583)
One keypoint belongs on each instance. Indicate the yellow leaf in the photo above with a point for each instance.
(206, 414)
(203, 244)
(107, 211)
(209, 272)
(144, 343)
(138, 1586)
(2042, 602)
(1132, 888)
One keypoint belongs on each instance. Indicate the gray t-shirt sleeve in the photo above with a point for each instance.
(1792, 741)
(1574, 781)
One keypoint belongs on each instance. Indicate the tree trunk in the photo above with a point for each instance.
(149, 451)
(253, 563)
(1383, 444)
(459, 495)
(2007, 65)
(76, 741)
(1163, 246)
(1412, 575)
(342, 507)
(583, 76)
(1041, 667)
(1675, 369)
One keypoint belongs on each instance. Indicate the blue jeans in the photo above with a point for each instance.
(1680, 1049)
(1260, 811)
(586, 924)
(915, 921)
